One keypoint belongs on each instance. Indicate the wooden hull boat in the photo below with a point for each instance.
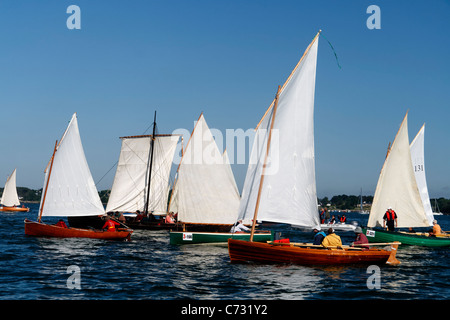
(179, 237)
(291, 253)
(413, 239)
(37, 229)
(14, 209)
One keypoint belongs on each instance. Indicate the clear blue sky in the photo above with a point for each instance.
(225, 58)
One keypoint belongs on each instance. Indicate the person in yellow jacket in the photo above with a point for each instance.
(332, 239)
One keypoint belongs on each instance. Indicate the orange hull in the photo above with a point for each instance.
(245, 251)
(45, 230)
(13, 209)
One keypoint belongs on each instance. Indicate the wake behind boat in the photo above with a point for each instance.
(69, 191)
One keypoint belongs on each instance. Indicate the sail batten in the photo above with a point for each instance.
(397, 186)
(288, 194)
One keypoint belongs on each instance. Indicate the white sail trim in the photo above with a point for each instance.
(129, 190)
(397, 187)
(417, 148)
(289, 190)
(10, 197)
(71, 190)
(204, 192)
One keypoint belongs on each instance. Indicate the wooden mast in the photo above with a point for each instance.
(255, 215)
(46, 185)
(275, 105)
(151, 164)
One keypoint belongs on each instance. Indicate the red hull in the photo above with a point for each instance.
(245, 251)
(45, 230)
(13, 209)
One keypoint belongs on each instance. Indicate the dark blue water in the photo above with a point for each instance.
(148, 267)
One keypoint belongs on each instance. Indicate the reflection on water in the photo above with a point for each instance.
(148, 267)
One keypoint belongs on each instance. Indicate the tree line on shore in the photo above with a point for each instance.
(346, 202)
(339, 202)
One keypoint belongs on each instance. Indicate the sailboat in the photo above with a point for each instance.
(361, 208)
(280, 184)
(418, 160)
(205, 195)
(141, 182)
(69, 191)
(397, 187)
(10, 200)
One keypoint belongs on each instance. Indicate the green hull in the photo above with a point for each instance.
(178, 237)
(380, 236)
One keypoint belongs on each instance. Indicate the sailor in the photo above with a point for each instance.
(332, 239)
(436, 228)
(360, 238)
(390, 218)
(61, 224)
(239, 227)
(110, 225)
(319, 235)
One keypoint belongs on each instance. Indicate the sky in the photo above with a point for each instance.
(224, 58)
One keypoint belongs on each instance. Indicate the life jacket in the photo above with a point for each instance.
(343, 219)
(61, 224)
(390, 216)
(110, 225)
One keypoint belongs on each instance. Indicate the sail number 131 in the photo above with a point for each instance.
(418, 167)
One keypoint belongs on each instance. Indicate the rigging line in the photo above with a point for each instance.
(115, 164)
(332, 48)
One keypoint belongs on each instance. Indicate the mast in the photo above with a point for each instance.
(48, 179)
(264, 165)
(151, 164)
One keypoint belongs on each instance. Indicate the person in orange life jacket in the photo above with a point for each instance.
(343, 219)
(390, 219)
(61, 224)
(110, 225)
(437, 229)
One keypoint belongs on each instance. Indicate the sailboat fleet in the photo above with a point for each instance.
(279, 187)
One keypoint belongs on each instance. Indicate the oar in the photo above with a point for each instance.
(377, 244)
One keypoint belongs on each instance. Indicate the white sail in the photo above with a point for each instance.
(9, 196)
(129, 190)
(71, 190)
(204, 192)
(397, 187)
(288, 193)
(226, 162)
(418, 160)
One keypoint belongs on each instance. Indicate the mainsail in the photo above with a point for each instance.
(418, 160)
(288, 194)
(130, 186)
(397, 186)
(70, 190)
(203, 191)
(9, 196)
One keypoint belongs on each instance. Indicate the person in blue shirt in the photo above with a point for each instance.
(318, 236)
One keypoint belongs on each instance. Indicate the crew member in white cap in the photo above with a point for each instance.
(390, 219)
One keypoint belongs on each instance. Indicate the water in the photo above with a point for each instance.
(148, 267)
